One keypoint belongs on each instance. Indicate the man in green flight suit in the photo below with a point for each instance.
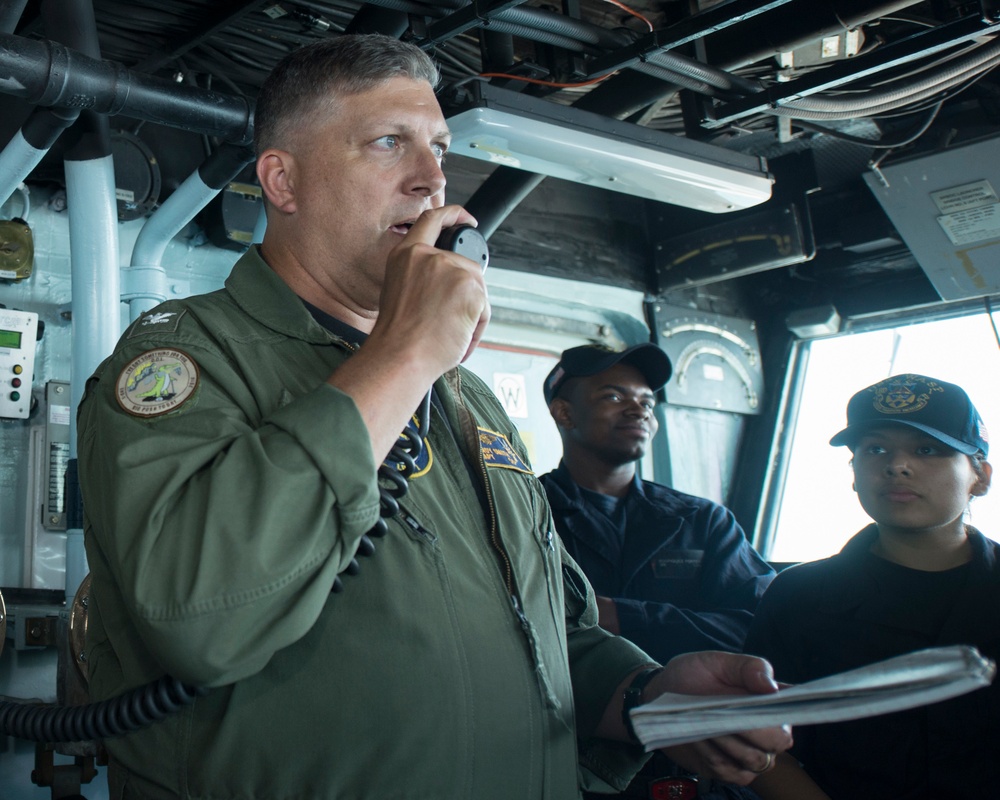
(465, 661)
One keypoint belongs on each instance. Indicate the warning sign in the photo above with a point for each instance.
(960, 198)
(972, 226)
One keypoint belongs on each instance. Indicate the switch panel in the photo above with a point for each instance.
(18, 337)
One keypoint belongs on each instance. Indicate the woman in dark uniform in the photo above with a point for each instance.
(918, 577)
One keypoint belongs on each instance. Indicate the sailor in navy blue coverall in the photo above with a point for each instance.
(683, 578)
(672, 572)
(677, 569)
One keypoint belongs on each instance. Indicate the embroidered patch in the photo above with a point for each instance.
(904, 394)
(156, 322)
(498, 452)
(156, 382)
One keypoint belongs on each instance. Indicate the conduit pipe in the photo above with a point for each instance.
(901, 93)
(698, 71)
(144, 281)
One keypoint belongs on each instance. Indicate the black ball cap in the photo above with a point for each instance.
(590, 359)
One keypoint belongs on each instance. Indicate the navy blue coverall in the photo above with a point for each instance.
(687, 578)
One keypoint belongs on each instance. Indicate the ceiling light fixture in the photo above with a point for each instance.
(515, 130)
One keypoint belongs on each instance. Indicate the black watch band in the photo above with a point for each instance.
(633, 697)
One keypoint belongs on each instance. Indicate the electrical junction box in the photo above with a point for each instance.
(945, 206)
(18, 337)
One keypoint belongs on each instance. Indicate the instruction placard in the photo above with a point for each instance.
(973, 225)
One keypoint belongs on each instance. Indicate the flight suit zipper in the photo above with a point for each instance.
(505, 564)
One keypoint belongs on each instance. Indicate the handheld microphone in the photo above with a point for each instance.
(466, 241)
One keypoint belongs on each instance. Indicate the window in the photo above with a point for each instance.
(818, 510)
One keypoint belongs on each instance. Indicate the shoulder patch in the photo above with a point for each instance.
(156, 322)
(156, 382)
(498, 452)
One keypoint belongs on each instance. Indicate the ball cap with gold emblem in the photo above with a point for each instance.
(939, 409)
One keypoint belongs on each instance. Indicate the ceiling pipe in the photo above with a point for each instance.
(375, 19)
(46, 73)
(10, 14)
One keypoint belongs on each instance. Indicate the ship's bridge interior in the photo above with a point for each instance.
(727, 178)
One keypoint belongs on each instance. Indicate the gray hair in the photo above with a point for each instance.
(308, 80)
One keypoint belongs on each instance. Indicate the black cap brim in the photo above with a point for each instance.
(587, 360)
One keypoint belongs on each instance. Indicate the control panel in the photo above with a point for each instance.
(18, 338)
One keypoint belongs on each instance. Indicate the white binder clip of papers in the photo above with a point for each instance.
(907, 681)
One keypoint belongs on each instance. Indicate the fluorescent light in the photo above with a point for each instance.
(514, 130)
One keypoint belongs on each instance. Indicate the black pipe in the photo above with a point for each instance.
(497, 50)
(47, 74)
(224, 164)
(499, 195)
(10, 14)
(373, 19)
(72, 23)
(44, 126)
(627, 93)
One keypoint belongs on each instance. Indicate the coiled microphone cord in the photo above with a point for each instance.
(404, 453)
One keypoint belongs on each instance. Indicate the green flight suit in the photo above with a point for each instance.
(226, 484)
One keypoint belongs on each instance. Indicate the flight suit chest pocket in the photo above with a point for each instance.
(677, 564)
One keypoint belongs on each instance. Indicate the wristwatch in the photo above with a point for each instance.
(633, 697)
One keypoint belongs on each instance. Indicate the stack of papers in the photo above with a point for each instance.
(914, 679)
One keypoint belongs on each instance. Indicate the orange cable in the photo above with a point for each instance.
(633, 12)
